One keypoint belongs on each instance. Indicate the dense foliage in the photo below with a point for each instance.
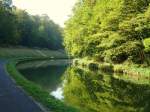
(100, 92)
(17, 27)
(109, 30)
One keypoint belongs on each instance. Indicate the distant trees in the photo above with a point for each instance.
(6, 2)
(108, 30)
(38, 31)
(17, 27)
(8, 26)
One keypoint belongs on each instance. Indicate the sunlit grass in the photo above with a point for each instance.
(26, 54)
(37, 92)
(129, 69)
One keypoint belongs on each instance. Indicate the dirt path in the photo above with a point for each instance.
(12, 98)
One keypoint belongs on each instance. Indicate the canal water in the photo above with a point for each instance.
(89, 91)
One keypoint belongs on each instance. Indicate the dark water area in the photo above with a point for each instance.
(89, 91)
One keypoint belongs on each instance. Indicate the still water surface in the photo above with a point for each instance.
(89, 91)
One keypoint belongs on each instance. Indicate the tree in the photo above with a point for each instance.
(108, 30)
(17, 27)
(8, 27)
(6, 2)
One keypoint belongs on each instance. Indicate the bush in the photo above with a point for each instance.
(93, 66)
(120, 54)
(99, 57)
(147, 45)
(106, 67)
(75, 62)
(109, 31)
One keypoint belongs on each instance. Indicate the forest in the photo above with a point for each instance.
(112, 31)
(98, 62)
(18, 28)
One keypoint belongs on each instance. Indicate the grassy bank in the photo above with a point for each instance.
(93, 65)
(17, 53)
(37, 92)
(125, 68)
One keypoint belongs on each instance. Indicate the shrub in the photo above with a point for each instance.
(129, 49)
(106, 67)
(75, 62)
(93, 66)
(147, 45)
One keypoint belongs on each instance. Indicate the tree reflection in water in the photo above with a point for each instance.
(100, 92)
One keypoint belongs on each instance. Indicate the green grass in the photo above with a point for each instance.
(93, 65)
(15, 53)
(130, 69)
(37, 92)
(133, 69)
(134, 73)
(147, 45)
(42, 96)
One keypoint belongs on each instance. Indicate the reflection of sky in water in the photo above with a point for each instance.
(58, 93)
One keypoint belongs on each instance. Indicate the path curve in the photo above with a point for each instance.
(12, 98)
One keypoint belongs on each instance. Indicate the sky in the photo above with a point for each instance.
(57, 10)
